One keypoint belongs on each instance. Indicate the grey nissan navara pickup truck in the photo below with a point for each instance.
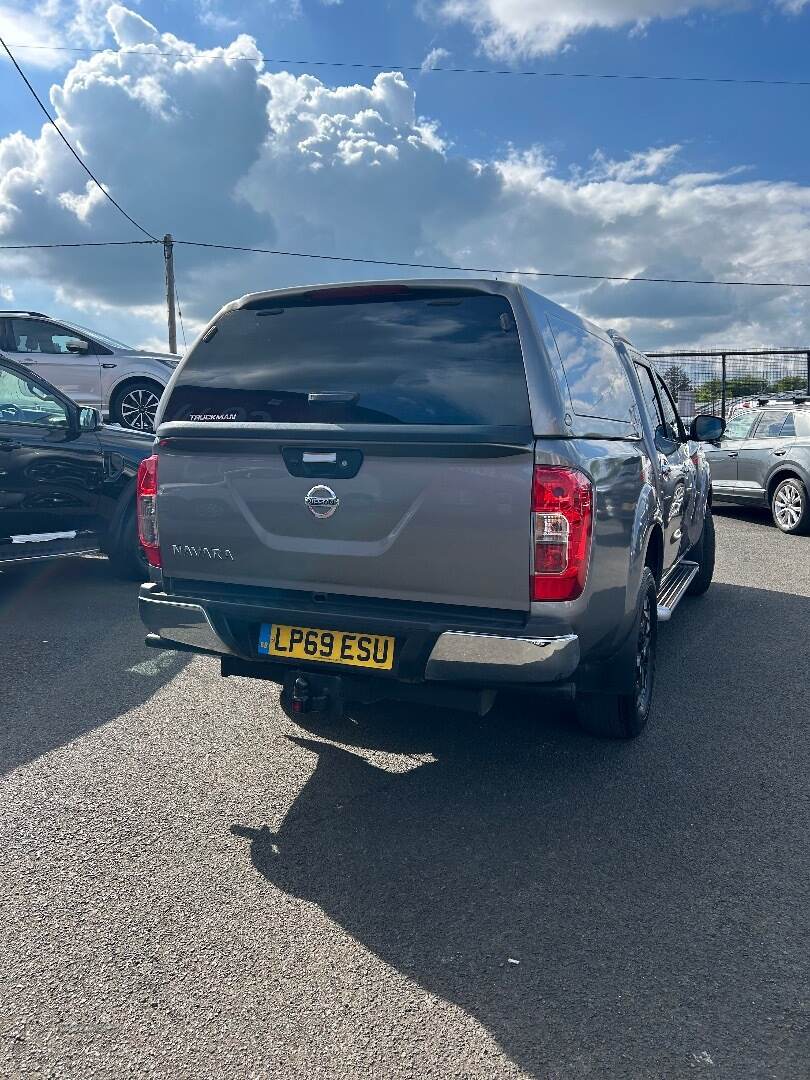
(425, 490)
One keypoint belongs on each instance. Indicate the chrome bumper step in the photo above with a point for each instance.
(674, 587)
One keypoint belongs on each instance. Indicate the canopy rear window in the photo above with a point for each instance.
(370, 355)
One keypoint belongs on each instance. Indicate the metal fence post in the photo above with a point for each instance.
(723, 386)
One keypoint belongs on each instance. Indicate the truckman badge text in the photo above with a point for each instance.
(322, 501)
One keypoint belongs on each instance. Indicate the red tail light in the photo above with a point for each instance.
(147, 509)
(562, 519)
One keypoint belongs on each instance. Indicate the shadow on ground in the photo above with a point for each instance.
(69, 623)
(756, 515)
(634, 884)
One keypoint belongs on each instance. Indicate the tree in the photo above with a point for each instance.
(790, 384)
(676, 379)
(742, 386)
(711, 390)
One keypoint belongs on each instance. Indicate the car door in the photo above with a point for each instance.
(684, 471)
(765, 446)
(722, 457)
(692, 523)
(671, 468)
(53, 351)
(50, 474)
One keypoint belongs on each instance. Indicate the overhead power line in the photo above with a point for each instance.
(78, 244)
(366, 65)
(412, 265)
(490, 270)
(58, 131)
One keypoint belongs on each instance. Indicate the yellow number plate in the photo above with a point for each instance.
(328, 646)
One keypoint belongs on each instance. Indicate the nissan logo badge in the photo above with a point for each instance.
(322, 501)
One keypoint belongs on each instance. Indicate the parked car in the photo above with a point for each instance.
(763, 459)
(92, 369)
(67, 483)
(423, 490)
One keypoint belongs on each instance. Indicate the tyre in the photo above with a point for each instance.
(135, 404)
(624, 716)
(790, 506)
(703, 554)
(127, 558)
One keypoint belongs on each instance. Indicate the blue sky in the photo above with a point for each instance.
(577, 175)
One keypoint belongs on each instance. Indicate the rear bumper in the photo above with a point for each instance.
(427, 651)
(470, 657)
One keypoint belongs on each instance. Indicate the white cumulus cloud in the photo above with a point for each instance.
(214, 148)
(514, 28)
(435, 58)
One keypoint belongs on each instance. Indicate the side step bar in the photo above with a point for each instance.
(673, 588)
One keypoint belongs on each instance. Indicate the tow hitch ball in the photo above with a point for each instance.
(301, 698)
(307, 694)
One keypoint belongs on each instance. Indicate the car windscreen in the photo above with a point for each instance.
(397, 356)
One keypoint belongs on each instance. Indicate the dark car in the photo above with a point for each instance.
(67, 483)
(763, 459)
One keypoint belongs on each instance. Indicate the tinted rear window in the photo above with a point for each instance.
(418, 358)
(597, 382)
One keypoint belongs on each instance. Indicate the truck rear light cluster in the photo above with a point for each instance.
(147, 490)
(562, 522)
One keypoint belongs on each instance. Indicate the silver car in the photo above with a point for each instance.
(94, 370)
(763, 459)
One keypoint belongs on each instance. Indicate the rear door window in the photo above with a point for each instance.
(380, 355)
(671, 416)
(772, 424)
(597, 382)
(650, 397)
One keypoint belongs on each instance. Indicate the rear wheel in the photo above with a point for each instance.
(135, 405)
(624, 716)
(790, 506)
(127, 558)
(703, 554)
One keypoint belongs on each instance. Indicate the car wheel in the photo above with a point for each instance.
(128, 559)
(790, 506)
(624, 716)
(135, 405)
(703, 554)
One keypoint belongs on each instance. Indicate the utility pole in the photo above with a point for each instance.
(168, 255)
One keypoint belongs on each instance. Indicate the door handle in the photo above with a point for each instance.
(780, 453)
(310, 457)
(733, 453)
(109, 365)
(10, 444)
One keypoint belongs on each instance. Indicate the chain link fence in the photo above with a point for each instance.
(715, 380)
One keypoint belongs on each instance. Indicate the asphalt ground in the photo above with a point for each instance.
(192, 885)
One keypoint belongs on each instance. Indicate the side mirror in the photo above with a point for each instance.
(76, 345)
(665, 442)
(89, 420)
(707, 428)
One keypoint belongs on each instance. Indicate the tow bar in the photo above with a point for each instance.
(305, 693)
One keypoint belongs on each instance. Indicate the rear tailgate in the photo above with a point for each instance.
(434, 522)
(373, 444)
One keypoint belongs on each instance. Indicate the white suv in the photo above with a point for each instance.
(93, 369)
